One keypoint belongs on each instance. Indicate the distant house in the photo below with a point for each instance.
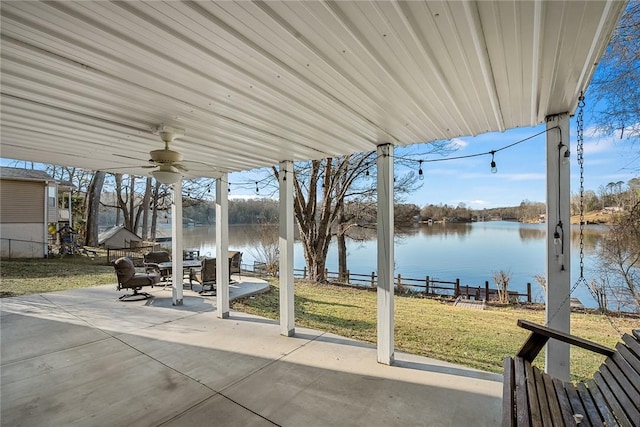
(117, 237)
(28, 204)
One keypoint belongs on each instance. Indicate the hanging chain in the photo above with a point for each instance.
(580, 153)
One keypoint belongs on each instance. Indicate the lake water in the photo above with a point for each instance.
(471, 252)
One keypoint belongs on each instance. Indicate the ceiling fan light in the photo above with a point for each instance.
(167, 175)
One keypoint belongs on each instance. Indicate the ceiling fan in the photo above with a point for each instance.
(167, 161)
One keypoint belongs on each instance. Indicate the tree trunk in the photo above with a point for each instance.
(145, 213)
(93, 208)
(154, 211)
(342, 244)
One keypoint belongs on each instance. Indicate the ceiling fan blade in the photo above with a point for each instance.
(181, 167)
(124, 167)
(128, 157)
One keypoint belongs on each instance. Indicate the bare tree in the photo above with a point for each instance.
(619, 256)
(599, 290)
(616, 85)
(93, 208)
(502, 278)
(266, 251)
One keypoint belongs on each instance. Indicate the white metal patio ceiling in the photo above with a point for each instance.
(253, 83)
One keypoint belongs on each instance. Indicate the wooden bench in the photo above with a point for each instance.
(610, 398)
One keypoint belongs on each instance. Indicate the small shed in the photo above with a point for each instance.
(28, 203)
(117, 237)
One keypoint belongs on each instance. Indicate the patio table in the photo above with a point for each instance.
(186, 265)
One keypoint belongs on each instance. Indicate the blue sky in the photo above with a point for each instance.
(521, 169)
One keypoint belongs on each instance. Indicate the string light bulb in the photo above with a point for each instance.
(420, 172)
(257, 188)
(366, 173)
(494, 168)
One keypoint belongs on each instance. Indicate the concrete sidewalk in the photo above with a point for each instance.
(82, 357)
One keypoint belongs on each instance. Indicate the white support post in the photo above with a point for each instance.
(176, 244)
(46, 220)
(558, 296)
(70, 213)
(222, 246)
(287, 316)
(385, 254)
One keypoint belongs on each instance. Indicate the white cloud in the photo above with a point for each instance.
(459, 143)
(599, 146)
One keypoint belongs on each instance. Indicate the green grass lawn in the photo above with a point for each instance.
(32, 276)
(477, 338)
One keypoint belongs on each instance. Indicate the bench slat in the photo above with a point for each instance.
(633, 346)
(619, 394)
(632, 342)
(554, 406)
(522, 409)
(629, 372)
(624, 352)
(507, 394)
(532, 396)
(636, 334)
(625, 382)
(563, 401)
(611, 401)
(576, 404)
(601, 403)
(589, 405)
(545, 413)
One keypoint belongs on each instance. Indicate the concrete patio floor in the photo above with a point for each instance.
(82, 357)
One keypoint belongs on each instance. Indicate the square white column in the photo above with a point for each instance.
(287, 315)
(558, 296)
(222, 246)
(176, 244)
(385, 254)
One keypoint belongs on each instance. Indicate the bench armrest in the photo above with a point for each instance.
(541, 334)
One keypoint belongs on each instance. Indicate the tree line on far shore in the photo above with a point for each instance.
(612, 197)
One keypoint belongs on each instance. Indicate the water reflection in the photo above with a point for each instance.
(530, 233)
(471, 252)
(459, 230)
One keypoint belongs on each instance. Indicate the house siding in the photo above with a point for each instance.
(22, 218)
(22, 202)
